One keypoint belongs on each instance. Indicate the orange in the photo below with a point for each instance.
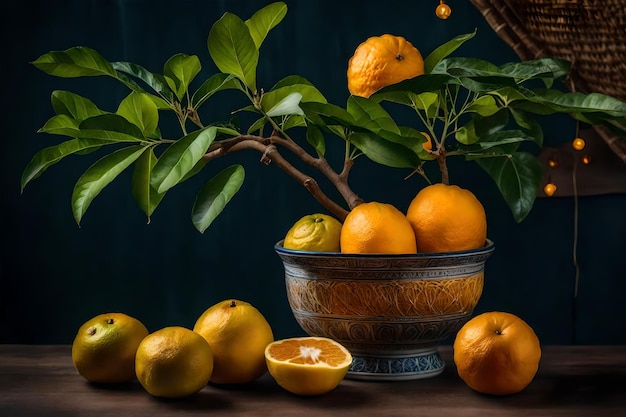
(377, 228)
(104, 347)
(497, 353)
(314, 232)
(447, 218)
(307, 365)
(381, 61)
(428, 145)
(174, 362)
(238, 334)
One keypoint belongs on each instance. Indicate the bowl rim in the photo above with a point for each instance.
(487, 248)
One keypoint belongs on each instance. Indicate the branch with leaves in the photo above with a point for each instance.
(470, 108)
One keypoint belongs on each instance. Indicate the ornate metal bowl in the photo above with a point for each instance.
(390, 311)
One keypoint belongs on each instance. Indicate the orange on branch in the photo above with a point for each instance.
(381, 61)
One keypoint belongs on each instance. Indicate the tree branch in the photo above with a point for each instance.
(269, 153)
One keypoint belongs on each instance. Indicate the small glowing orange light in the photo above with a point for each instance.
(586, 159)
(578, 144)
(443, 11)
(553, 163)
(549, 189)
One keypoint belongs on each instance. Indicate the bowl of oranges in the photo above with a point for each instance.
(376, 292)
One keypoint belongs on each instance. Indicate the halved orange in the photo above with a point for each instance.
(307, 365)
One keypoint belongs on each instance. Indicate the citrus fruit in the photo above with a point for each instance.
(381, 61)
(174, 362)
(105, 345)
(447, 218)
(307, 365)
(377, 228)
(497, 353)
(428, 145)
(314, 232)
(237, 333)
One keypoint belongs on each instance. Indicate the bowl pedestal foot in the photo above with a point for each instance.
(417, 364)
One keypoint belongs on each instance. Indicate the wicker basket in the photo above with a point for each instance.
(591, 34)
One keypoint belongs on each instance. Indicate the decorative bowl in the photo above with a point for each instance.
(390, 311)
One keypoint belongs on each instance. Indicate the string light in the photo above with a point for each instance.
(549, 189)
(578, 144)
(586, 159)
(443, 11)
(553, 163)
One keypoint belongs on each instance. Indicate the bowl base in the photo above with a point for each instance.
(424, 363)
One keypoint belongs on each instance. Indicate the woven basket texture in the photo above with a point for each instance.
(591, 34)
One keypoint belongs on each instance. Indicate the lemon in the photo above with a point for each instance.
(314, 232)
(307, 365)
(174, 362)
(104, 347)
(237, 333)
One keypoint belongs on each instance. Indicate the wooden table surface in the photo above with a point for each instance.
(572, 381)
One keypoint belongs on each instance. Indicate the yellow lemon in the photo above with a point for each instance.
(104, 347)
(237, 333)
(174, 362)
(315, 233)
(307, 365)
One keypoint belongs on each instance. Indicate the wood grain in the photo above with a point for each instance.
(572, 381)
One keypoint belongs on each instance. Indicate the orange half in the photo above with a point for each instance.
(307, 365)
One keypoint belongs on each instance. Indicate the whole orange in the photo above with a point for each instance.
(238, 334)
(104, 347)
(173, 362)
(377, 228)
(381, 61)
(497, 353)
(447, 218)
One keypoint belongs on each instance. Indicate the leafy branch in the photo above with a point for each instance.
(470, 108)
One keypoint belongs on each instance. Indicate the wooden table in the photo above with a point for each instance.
(572, 381)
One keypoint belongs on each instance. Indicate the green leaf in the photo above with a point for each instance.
(146, 196)
(518, 177)
(326, 114)
(467, 67)
(49, 156)
(110, 127)
(214, 196)
(233, 50)
(212, 85)
(61, 124)
(445, 50)
(427, 101)
(505, 137)
(397, 93)
(182, 69)
(384, 151)
(179, 158)
(99, 175)
(307, 93)
(293, 80)
(155, 81)
(370, 115)
(265, 20)
(73, 105)
(530, 124)
(141, 111)
(74, 62)
(484, 105)
(315, 138)
(288, 105)
(546, 69)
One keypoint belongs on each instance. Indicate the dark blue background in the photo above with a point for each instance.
(55, 275)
